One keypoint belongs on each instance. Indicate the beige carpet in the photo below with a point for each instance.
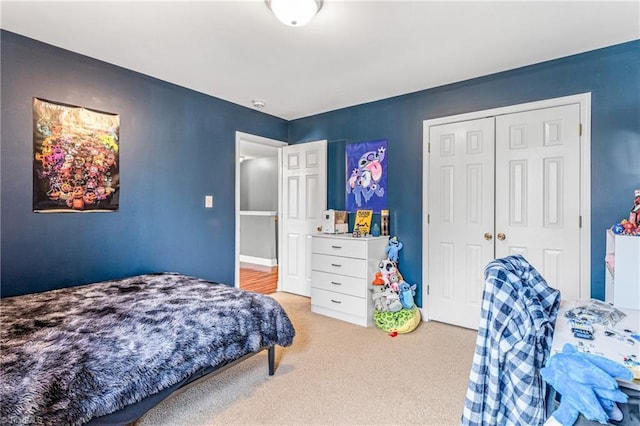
(335, 373)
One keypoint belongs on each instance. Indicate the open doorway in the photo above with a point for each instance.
(258, 177)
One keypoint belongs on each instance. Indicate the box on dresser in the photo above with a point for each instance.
(335, 222)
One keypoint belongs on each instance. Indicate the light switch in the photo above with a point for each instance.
(208, 201)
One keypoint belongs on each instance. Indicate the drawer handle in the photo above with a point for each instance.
(336, 265)
(335, 283)
(336, 247)
(336, 301)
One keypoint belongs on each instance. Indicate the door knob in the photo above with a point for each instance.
(488, 236)
(501, 236)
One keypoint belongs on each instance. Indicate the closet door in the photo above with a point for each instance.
(538, 192)
(461, 218)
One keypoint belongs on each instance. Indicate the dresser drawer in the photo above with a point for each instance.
(344, 303)
(339, 247)
(339, 265)
(339, 283)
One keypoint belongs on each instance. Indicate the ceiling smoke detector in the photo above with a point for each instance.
(257, 103)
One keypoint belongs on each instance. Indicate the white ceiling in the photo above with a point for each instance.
(352, 52)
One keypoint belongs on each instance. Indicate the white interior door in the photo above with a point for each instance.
(304, 197)
(461, 218)
(537, 196)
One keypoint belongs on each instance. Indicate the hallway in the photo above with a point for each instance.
(258, 278)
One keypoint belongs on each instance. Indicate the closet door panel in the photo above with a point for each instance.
(537, 192)
(461, 169)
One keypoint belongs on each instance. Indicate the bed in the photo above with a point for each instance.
(106, 353)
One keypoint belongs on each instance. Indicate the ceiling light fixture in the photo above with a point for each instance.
(294, 13)
(258, 103)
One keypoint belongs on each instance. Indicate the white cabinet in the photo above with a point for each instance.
(342, 269)
(622, 281)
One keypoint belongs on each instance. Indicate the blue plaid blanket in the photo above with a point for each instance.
(514, 339)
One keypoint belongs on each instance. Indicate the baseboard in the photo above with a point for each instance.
(258, 260)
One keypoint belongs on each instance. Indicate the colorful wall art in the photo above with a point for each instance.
(367, 176)
(75, 163)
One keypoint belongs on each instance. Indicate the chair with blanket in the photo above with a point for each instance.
(514, 339)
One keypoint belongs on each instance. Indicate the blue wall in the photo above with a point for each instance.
(177, 146)
(612, 75)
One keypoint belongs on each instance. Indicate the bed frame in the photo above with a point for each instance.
(133, 412)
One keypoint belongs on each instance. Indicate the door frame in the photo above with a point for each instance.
(584, 100)
(240, 137)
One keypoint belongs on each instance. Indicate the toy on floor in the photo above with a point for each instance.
(403, 321)
(395, 308)
(587, 386)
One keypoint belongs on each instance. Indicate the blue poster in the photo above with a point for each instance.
(367, 176)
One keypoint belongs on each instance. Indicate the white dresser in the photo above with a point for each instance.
(342, 269)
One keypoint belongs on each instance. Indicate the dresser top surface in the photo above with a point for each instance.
(350, 237)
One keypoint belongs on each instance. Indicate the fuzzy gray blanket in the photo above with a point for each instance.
(76, 353)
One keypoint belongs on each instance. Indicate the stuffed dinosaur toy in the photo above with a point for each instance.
(587, 386)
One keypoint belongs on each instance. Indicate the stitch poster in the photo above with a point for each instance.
(75, 161)
(367, 176)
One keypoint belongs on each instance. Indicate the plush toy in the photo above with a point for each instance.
(378, 279)
(626, 227)
(586, 384)
(379, 302)
(393, 300)
(393, 249)
(390, 274)
(385, 299)
(629, 227)
(403, 321)
(617, 229)
(406, 294)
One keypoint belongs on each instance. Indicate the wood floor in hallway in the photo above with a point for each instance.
(258, 278)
